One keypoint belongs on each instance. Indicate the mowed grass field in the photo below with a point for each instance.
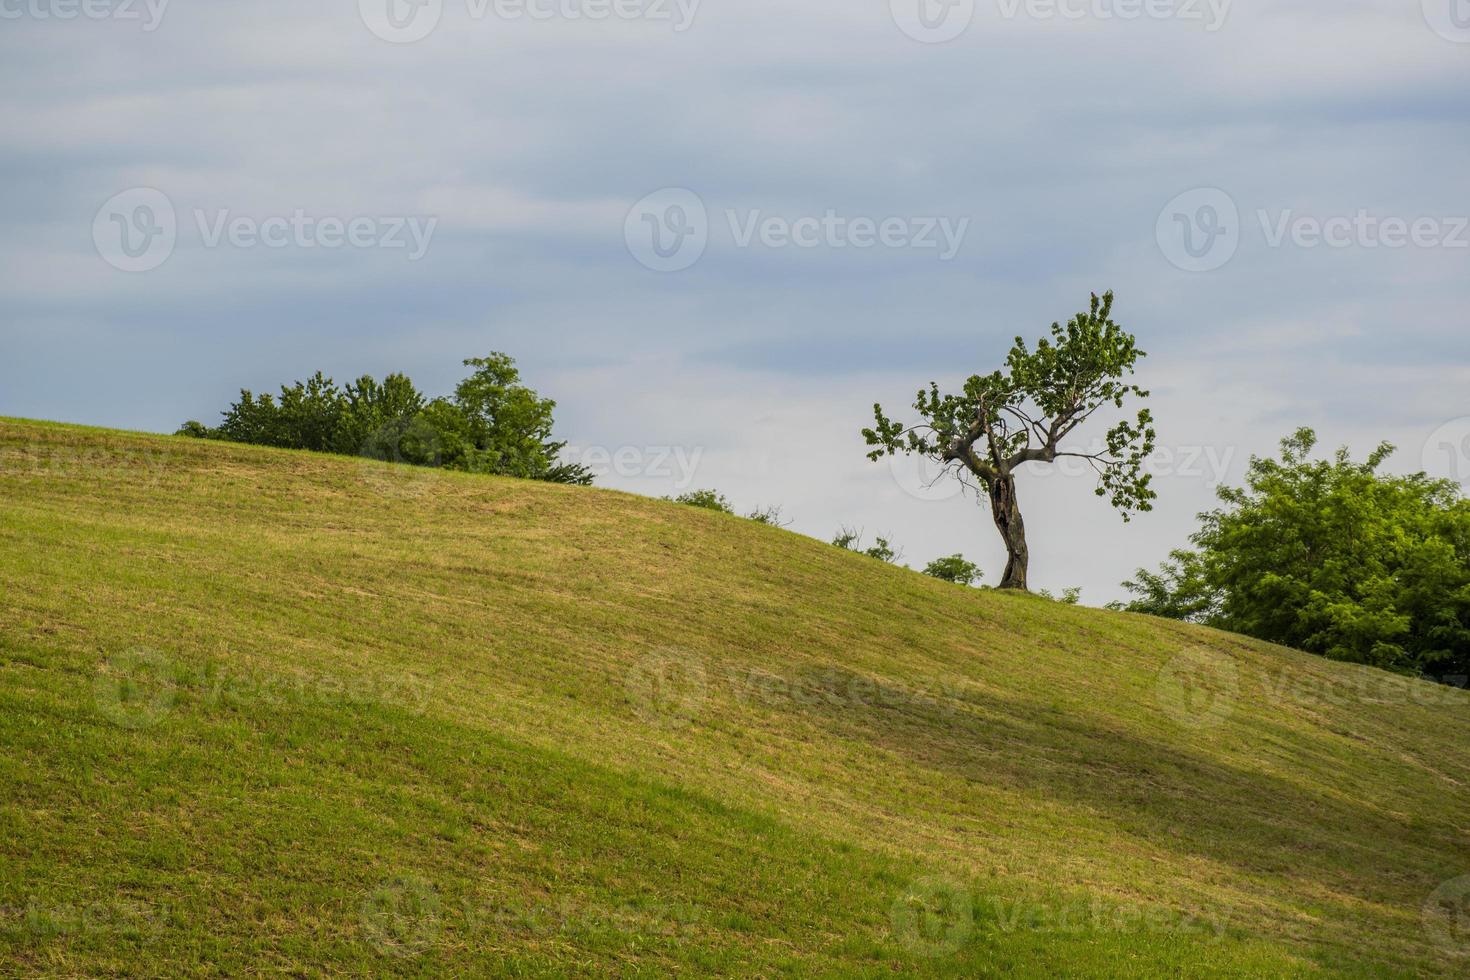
(266, 711)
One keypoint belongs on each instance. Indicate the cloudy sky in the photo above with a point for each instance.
(716, 232)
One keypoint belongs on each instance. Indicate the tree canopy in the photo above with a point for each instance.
(1025, 412)
(1330, 556)
(491, 424)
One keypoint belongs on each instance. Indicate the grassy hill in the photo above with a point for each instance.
(274, 711)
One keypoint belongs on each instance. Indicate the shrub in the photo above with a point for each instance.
(883, 551)
(704, 499)
(1329, 555)
(954, 569)
(768, 515)
(492, 423)
(849, 539)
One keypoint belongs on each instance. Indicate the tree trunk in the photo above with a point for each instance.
(1007, 514)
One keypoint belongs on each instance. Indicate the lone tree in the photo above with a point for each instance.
(1022, 415)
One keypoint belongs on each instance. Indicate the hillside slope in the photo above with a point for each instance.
(272, 710)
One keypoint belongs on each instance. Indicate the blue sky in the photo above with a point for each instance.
(1076, 146)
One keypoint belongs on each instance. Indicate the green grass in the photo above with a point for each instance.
(267, 711)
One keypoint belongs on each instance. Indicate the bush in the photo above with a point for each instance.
(768, 515)
(849, 539)
(704, 499)
(882, 551)
(1330, 556)
(954, 569)
(492, 423)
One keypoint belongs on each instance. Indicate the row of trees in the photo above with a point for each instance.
(491, 424)
(1330, 556)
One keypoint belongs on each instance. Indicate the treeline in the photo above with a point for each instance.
(491, 424)
(1331, 557)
